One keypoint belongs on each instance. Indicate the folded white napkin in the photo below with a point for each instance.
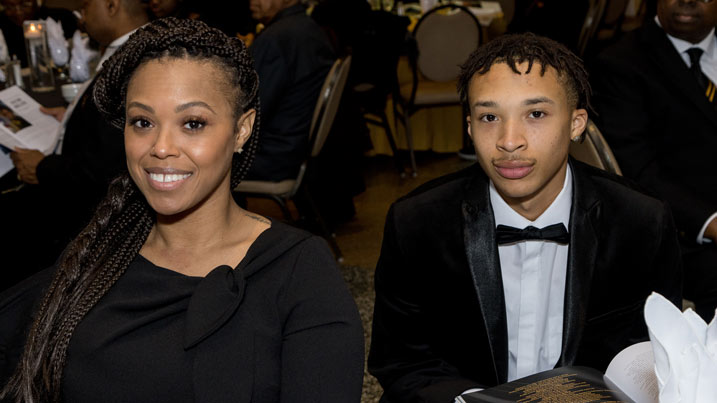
(685, 350)
(56, 41)
(81, 56)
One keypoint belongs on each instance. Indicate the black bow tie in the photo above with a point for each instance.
(556, 233)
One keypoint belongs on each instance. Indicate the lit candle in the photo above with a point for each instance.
(33, 31)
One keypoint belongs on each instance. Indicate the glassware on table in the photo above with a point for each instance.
(12, 73)
(38, 56)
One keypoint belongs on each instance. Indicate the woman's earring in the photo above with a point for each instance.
(240, 150)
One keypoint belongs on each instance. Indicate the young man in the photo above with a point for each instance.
(465, 297)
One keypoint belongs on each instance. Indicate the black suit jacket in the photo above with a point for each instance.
(439, 323)
(659, 124)
(292, 57)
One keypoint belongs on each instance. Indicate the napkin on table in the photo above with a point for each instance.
(685, 351)
(81, 56)
(56, 41)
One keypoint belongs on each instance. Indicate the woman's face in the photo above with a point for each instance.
(181, 132)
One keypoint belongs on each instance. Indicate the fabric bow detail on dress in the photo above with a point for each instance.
(557, 233)
(214, 301)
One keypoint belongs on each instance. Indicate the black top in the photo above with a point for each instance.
(280, 327)
(292, 57)
(136, 330)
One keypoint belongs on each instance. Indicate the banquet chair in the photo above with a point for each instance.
(435, 59)
(283, 191)
(594, 150)
(374, 74)
(596, 9)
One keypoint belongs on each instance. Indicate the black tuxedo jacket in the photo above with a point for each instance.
(439, 323)
(659, 123)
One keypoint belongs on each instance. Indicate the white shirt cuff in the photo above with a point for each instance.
(459, 399)
(701, 235)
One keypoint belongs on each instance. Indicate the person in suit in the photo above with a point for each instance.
(654, 95)
(526, 261)
(62, 189)
(292, 56)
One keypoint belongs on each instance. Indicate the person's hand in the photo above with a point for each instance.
(57, 112)
(711, 230)
(26, 162)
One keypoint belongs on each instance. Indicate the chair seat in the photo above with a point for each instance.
(281, 188)
(432, 92)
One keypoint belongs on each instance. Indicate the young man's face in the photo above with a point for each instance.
(521, 126)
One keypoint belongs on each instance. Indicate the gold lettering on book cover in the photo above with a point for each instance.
(562, 388)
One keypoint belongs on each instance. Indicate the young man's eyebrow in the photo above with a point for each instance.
(539, 100)
(485, 104)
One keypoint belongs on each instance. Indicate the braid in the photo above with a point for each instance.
(101, 253)
(121, 220)
(515, 49)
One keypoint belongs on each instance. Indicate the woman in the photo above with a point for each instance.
(144, 304)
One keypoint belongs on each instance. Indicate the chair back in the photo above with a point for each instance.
(594, 150)
(445, 37)
(328, 104)
(590, 25)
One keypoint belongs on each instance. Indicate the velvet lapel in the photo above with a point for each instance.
(484, 264)
(667, 59)
(584, 227)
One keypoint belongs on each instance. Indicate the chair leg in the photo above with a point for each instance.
(405, 117)
(284, 208)
(391, 142)
(327, 234)
(409, 142)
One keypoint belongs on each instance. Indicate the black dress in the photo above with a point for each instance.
(280, 327)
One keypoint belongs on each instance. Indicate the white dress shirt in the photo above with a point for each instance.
(111, 49)
(708, 64)
(534, 274)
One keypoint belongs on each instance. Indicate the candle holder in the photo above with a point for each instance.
(38, 56)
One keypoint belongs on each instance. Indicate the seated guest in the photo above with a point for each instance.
(292, 56)
(525, 261)
(654, 94)
(63, 189)
(173, 288)
(14, 12)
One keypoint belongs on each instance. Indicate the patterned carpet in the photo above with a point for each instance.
(360, 282)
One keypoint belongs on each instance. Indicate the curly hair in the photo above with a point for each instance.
(101, 253)
(515, 49)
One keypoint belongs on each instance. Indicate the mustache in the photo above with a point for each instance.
(513, 158)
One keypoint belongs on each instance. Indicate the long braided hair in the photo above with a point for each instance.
(101, 253)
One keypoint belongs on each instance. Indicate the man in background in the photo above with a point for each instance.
(62, 189)
(292, 56)
(655, 98)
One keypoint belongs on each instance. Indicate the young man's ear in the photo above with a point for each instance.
(578, 123)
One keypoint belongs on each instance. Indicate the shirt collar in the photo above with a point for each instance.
(557, 212)
(707, 44)
(112, 48)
